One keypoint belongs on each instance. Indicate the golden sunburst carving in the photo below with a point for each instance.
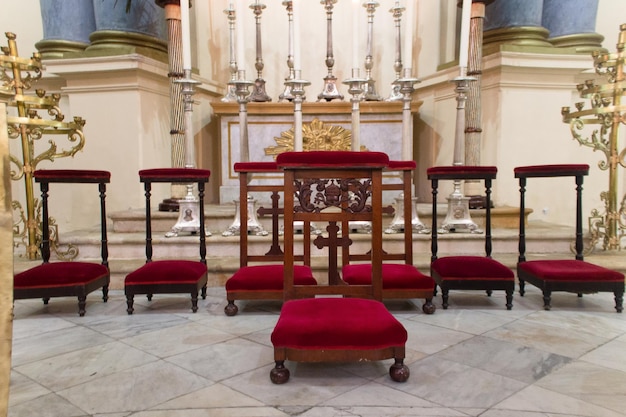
(316, 136)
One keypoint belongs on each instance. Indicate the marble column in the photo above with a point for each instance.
(142, 29)
(67, 25)
(515, 22)
(572, 24)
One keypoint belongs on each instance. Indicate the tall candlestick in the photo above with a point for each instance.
(296, 6)
(464, 41)
(240, 35)
(184, 18)
(408, 34)
(355, 33)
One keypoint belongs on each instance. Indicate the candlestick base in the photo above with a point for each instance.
(397, 224)
(458, 218)
(188, 218)
(254, 227)
(330, 90)
(259, 94)
(370, 91)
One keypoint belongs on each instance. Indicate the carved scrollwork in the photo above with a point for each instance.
(315, 195)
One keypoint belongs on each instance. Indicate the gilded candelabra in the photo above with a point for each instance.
(607, 112)
(17, 75)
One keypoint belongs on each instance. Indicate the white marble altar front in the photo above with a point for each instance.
(269, 126)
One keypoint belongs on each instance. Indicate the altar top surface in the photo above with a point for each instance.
(332, 107)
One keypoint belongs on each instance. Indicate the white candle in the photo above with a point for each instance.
(408, 34)
(296, 29)
(464, 41)
(355, 33)
(184, 19)
(240, 34)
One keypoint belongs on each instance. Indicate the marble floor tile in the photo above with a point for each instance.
(135, 389)
(545, 402)
(591, 383)
(507, 359)
(608, 355)
(452, 384)
(554, 339)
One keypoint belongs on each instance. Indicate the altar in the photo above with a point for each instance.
(326, 126)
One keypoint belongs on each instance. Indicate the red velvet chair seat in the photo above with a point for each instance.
(395, 276)
(471, 268)
(267, 277)
(165, 272)
(358, 324)
(60, 274)
(570, 270)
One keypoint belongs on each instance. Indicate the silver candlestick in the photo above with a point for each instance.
(286, 94)
(356, 87)
(231, 96)
(243, 97)
(259, 94)
(370, 92)
(458, 216)
(406, 88)
(330, 91)
(395, 94)
(188, 206)
(296, 87)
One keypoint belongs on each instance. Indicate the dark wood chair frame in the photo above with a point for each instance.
(275, 254)
(406, 256)
(548, 286)
(157, 288)
(298, 211)
(488, 285)
(80, 291)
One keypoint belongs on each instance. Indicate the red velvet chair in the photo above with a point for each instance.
(175, 275)
(468, 272)
(401, 279)
(73, 278)
(260, 277)
(314, 324)
(571, 275)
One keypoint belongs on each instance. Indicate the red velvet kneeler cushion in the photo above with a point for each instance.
(60, 274)
(395, 276)
(71, 175)
(570, 270)
(267, 277)
(167, 271)
(401, 165)
(562, 170)
(332, 159)
(337, 323)
(471, 267)
(256, 166)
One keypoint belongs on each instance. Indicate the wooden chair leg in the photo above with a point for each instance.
(105, 293)
(82, 304)
(619, 301)
(130, 299)
(194, 301)
(399, 372)
(231, 309)
(522, 290)
(444, 298)
(279, 374)
(509, 299)
(547, 296)
(429, 307)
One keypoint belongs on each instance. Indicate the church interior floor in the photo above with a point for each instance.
(473, 359)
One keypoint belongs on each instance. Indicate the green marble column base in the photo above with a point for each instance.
(115, 42)
(59, 48)
(535, 36)
(582, 42)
